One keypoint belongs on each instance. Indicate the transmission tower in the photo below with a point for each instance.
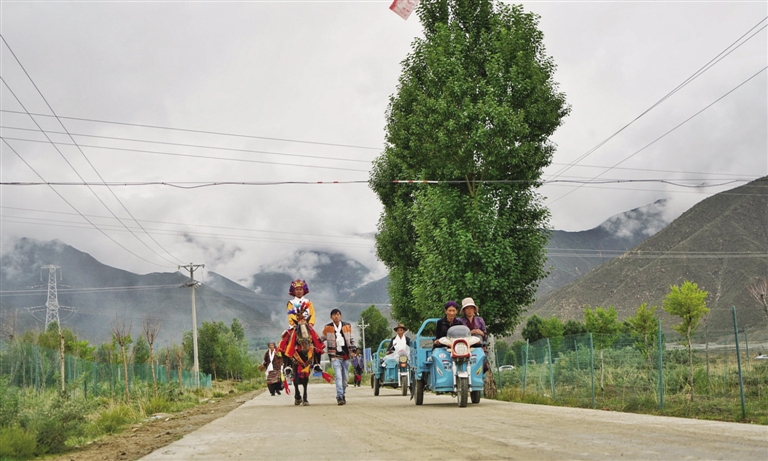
(52, 306)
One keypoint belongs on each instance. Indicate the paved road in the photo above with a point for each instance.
(391, 426)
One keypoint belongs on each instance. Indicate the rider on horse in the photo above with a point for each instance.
(300, 342)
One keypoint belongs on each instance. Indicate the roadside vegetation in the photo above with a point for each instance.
(107, 388)
(632, 366)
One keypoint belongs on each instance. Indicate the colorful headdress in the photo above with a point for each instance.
(298, 283)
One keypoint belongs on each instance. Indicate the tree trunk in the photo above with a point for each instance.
(152, 364)
(602, 374)
(125, 369)
(690, 360)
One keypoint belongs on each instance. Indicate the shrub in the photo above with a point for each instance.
(53, 419)
(9, 404)
(158, 405)
(113, 419)
(16, 443)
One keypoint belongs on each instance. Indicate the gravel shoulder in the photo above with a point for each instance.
(142, 439)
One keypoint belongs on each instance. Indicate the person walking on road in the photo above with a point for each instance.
(272, 364)
(358, 364)
(340, 343)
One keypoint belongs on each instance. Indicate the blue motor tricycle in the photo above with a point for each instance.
(390, 370)
(454, 367)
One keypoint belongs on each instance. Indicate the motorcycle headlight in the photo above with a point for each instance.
(460, 348)
(403, 358)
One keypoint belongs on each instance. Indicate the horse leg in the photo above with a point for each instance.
(296, 382)
(304, 383)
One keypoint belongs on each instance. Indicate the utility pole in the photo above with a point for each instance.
(192, 284)
(363, 326)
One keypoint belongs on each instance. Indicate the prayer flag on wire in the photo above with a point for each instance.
(403, 7)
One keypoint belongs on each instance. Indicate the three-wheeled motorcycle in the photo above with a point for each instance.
(391, 370)
(455, 367)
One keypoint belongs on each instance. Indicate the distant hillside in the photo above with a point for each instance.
(97, 292)
(721, 244)
(332, 278)
(573, 254)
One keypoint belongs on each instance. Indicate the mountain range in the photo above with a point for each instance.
(630, 258)
(721, 244)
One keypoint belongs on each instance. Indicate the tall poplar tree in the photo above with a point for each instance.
(474, 109)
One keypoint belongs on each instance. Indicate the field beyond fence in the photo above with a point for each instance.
(624, 374)
(27, 365)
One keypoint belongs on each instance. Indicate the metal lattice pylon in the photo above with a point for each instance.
(52, 304)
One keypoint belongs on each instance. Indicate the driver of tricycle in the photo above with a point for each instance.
(449, 320)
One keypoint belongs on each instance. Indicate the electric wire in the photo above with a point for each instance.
(174, 154)
(195, 225)
(218, 133)
(695, 75)
(668, 132)
(80, 176)
(78, 211)
(199, 146)
(83, 154)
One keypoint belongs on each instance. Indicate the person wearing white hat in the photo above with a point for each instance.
(470, 318)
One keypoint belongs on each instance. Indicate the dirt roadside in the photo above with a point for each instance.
(144, 438)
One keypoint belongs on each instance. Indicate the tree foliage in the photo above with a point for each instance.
(604, 324)
(377, 329)
(476, 102)
(644, 328)
(553, 329)
(532, 330)
(688, 302)
(222, 352)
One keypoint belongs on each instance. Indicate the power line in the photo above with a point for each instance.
(346, 237)
(83, 154)
(196, 185)
(174, 154)
(695, 75)
(199, 146)
(217, 133)
(670, 131)
(68, 224)
(78, 211)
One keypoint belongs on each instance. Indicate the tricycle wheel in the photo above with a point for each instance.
(376, 385)
(463, 391)
(372, 378)
(475, 396)
(419, 392)
(404, 384)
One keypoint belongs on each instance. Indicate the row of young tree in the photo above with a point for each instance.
(686, 301)
(222, 349)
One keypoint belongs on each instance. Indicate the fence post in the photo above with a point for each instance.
(37, 374)
(738, 361)
(551, 376)
(661, 367)
(95, 379)
(592, 367)
(525, 366)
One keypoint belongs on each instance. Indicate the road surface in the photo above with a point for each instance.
(391, 426)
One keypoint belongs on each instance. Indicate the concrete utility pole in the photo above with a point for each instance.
(192, 268)
(363, 326)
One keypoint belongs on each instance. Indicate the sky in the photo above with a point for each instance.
(296, 91)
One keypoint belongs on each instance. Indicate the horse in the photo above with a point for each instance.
(300, 346)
